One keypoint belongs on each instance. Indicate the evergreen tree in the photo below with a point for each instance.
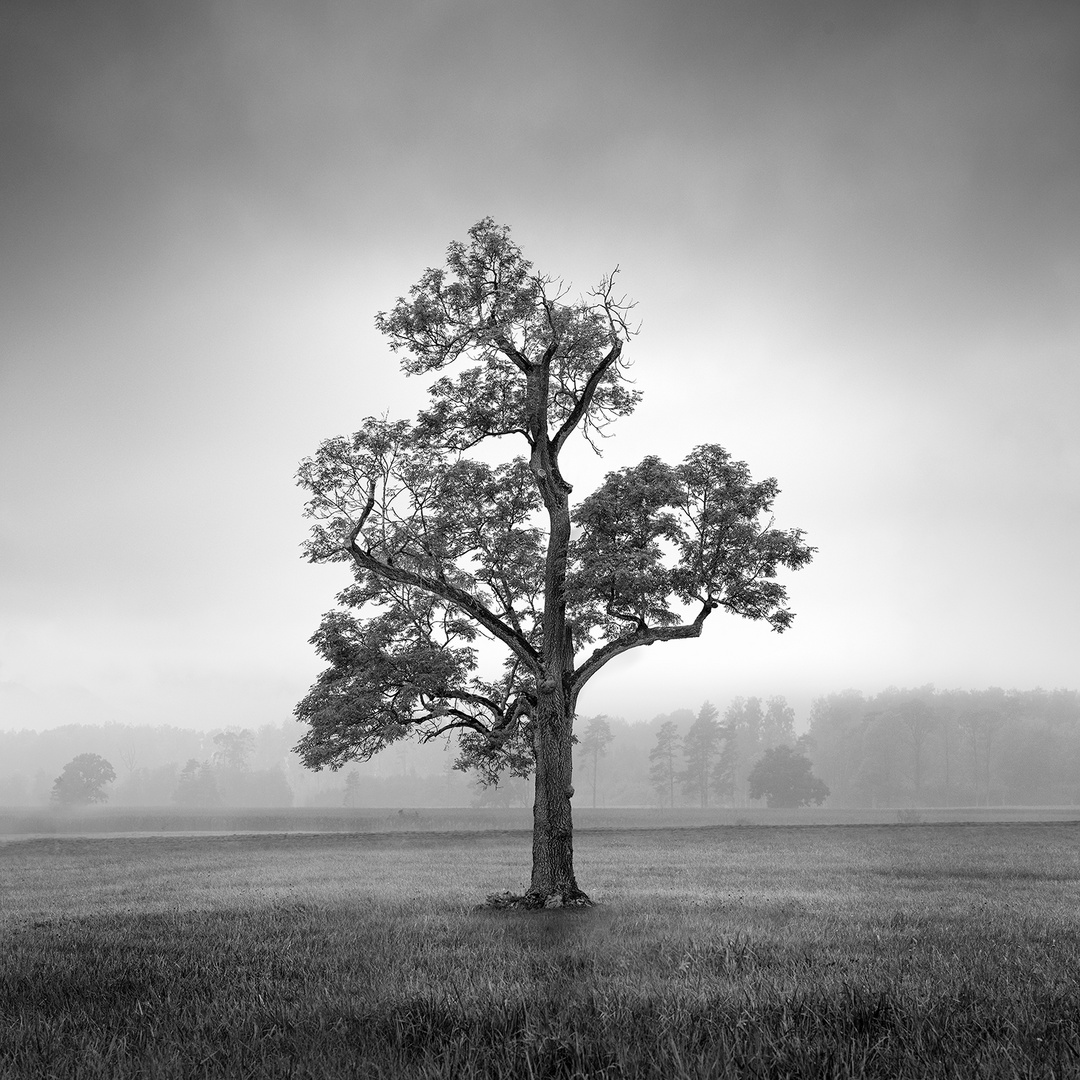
(701, 750)
(748, 744)
(593, 745)
(724, 771)
(662, 771)
(778, 725)
(744, 725)
(197, 785)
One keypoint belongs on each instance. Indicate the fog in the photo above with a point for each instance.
(914, 748)
(851, 231)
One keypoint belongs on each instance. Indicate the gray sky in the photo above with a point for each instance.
(852, 228)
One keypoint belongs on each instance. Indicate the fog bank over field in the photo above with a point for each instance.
(893, 749)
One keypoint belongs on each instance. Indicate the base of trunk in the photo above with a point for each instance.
(532, 901)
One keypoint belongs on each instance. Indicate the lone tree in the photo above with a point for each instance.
(449, 552)
(82, 781)
(785, 777)
(700, 748)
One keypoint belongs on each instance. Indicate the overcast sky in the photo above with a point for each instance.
(852, 229)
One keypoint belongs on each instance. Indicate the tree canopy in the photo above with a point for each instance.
(449, 550)
(784, 777)
(83, 780)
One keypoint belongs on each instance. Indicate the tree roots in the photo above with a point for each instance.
(531, 901)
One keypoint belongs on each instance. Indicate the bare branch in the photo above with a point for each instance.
(585, 398)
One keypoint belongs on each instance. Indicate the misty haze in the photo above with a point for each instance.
(900, 749)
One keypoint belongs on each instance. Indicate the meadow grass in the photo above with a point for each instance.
(892, 951)
(25, 822)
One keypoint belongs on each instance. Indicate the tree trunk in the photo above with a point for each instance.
(553, 881)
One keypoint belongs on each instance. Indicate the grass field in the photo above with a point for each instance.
(120, 820)
(818, 951)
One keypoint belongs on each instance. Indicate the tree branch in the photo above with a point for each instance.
(458, 597)
(455, 725)
(644, 635)
(366, 513)
(469, 698)
(583, 402)
(512, 353)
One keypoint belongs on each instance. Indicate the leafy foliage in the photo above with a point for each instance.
(709, 510)
(784, 777)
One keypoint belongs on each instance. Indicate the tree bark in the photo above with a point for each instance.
(553, 881)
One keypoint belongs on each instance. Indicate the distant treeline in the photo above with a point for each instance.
(179, 767)
(899, 748)
(948, 748)
(154, 766)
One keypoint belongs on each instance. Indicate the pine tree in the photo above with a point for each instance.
(662, 771)
(197, 785)
(593, 745)
(701, 750)
(744, 725)
(778, 727)
(723, 774)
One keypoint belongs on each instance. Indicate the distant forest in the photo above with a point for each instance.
(948, 748)
(899, 748)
